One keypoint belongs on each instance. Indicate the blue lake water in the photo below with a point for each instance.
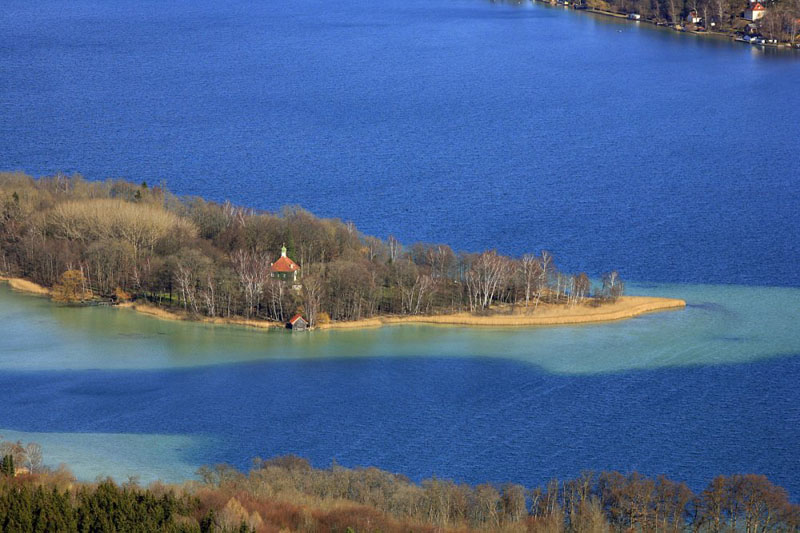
(694, 393)
(673, 158)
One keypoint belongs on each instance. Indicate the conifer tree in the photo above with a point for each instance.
(7, 466)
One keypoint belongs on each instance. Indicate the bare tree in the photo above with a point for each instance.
(252, 269)
(33, 457)
(394, 248)
(485, 275)
(209, 293)
(613, 286)
(531, 269)
(312, 298)
(675, 7)
(721, 12)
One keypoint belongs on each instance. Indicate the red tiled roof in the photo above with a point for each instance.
(284, 264)
(757, 7)
(295, 318)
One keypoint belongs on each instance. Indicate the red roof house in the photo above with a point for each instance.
(297, 322)
(284, 268)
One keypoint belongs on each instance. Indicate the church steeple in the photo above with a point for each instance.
(283, 251)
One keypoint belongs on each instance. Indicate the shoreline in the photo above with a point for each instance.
(166, 314)
(545, 315)
(23, 285)
(730, 36)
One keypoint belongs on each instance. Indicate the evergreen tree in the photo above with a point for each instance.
(7, 466)
(208, 523)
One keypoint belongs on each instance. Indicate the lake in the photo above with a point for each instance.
(691, 394)
(484, 125)
(673, 158)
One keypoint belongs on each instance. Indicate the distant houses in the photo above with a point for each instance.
(694, 18)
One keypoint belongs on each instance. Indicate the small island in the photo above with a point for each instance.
(141, 247)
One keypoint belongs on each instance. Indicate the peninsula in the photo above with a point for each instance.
(141, 247)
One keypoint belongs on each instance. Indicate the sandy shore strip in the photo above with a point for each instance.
(545, 315)
(23, 285)
(164, 314)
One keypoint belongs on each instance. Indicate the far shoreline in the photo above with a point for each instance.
(546, 315)
(730, 36)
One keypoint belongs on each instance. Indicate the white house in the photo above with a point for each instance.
(754, 11)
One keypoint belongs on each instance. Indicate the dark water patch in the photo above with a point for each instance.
(469, 419)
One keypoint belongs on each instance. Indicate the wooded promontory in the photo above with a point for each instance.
(119, 241)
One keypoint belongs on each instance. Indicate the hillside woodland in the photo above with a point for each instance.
(288, 494)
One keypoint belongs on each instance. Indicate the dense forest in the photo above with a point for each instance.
(288, 494)
(115, 241)
(781, 21)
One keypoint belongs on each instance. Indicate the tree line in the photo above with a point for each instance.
(288, 494)
(116, 240)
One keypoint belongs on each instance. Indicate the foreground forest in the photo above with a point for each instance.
(116, 241)
(287, 494)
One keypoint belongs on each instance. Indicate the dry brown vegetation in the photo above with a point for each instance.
(287, 494)
(547, 315)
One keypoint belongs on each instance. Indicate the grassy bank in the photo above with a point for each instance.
(24, 285)
(166, 314)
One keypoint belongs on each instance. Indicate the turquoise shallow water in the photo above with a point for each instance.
(722, 324)
(691, 394)
(123, 456)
